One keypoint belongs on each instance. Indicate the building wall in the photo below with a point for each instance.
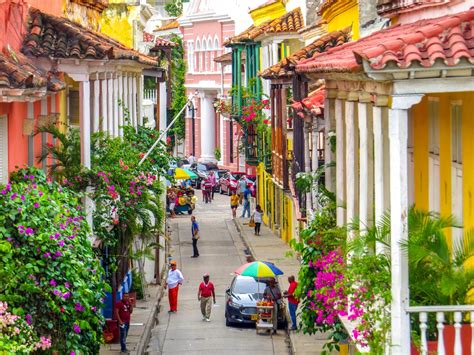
(117, 22)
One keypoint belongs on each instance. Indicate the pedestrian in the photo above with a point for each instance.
(234, 204)
(247, 194)
(207, 190)
(174, 280)
(213, 181)
(123, 312)
(195, 236)
(257, 218)
(191, 159)
(241, 188)
(205, 292)
(272, 293)
(292, 300)
(172, 202)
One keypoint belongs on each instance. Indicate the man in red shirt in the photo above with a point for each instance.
(123, 311)
(206, 290)
(292, 301)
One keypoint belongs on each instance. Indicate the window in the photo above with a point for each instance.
(198, 49)
(202, 63)
(456, 132)
(191, 56)
(433, 117)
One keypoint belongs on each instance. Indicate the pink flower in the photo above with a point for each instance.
(78, 307)
(36, 205)
(77, 329)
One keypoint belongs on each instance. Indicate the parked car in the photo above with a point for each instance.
(230, 182)
(241, 301)
(202, 171)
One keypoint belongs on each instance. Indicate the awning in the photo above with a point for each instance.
(58, 37)
(184, 174)
(444, 42)
(291, 22)
(313, 104)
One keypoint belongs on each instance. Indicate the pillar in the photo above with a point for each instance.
(208, 134)
(329, 158)
(340, 161)
(163, 119)
(120, 96)
(351, 167)
(85, 121)
(137, 119)
(96, 106)
(130, 99)
(116, 106)
(104, 106)
(141, 82)
(398, 132)
(110, 104)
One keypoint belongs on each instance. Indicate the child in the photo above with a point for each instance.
(234, 204)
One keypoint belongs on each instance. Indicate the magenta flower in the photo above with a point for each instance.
(66, 285)
(12, 197)
(78, 307)
(56, 292)
(28, 318)
(53, 282)
(21, 229)
(29, 231)
(61, 243)
(66, 295)
(58, 254)
(47, 255)
(77, 329)
(23, 197)
(3, 192)
(94, 308)
(36, 205)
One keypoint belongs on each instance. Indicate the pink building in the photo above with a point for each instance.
(205, 28)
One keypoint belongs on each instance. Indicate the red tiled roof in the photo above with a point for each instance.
(169, 26)
(388, 7)
(99, 5)
(227, 57)
(290, 22)
(314, 103)
(286, 67)
(447, 39)
(18, 72)
(58, 37)
(161, 42)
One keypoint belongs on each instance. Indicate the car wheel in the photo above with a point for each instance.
(228, 323)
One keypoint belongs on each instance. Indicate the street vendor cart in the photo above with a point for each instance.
(264, 316)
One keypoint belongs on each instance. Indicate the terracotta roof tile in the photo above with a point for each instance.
(447, 39)
(161, 42)
(389, 7)
(313, 104)
(58, 37)
(227, 57)
(169, 26)
(99, 5)
(285, 68)
(292, 21)
(18, 72)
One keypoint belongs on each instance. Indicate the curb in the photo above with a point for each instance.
(248, 245)
(145, 337)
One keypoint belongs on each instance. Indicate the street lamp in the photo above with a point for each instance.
(192, 109)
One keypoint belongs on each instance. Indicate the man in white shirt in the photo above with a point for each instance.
(175, 278)
(191, 159)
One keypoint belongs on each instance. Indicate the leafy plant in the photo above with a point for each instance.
(217, 153)
(49, 274)
(174, 8)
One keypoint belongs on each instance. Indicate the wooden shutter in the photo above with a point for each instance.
(3, 149)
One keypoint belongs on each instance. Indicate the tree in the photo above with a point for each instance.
(174, 8)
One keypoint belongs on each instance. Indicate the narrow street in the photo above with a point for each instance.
(221, 251)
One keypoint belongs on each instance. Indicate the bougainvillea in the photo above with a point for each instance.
(49, 274)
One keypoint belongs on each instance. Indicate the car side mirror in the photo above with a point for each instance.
(227, 291)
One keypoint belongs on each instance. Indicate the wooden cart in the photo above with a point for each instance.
(264, 318)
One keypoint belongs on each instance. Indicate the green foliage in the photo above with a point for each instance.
(178, 90)
(174, 8)
(217, 153)
(49, 273)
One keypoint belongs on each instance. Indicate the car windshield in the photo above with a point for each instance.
(246, 284)
(201, 167)
(237, 176)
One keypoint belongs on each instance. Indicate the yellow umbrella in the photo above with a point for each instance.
(180, 174)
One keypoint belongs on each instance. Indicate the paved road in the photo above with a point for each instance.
(221, 251)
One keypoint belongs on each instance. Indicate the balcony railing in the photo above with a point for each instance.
(150, 94)
(447, 342)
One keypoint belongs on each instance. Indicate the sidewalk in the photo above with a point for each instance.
(269, 247)
(141, 324)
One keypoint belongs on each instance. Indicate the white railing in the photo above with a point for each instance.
(150, 94)
(458, 315)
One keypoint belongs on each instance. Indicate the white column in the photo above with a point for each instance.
(85, 122)
(350, 162)
(340, 161)
(138, 119)
(103, 113)
(130, 99)
(365, 165)
(96, 120)
(398, 131)
(125, 98)
(141, 82)
(379, 181)
(307, 169)
(110, 104)
(120, 96)
(328, 153)
(274, 56)
(221, 137)
(207, 129)
(163, 110)
(116, 105)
